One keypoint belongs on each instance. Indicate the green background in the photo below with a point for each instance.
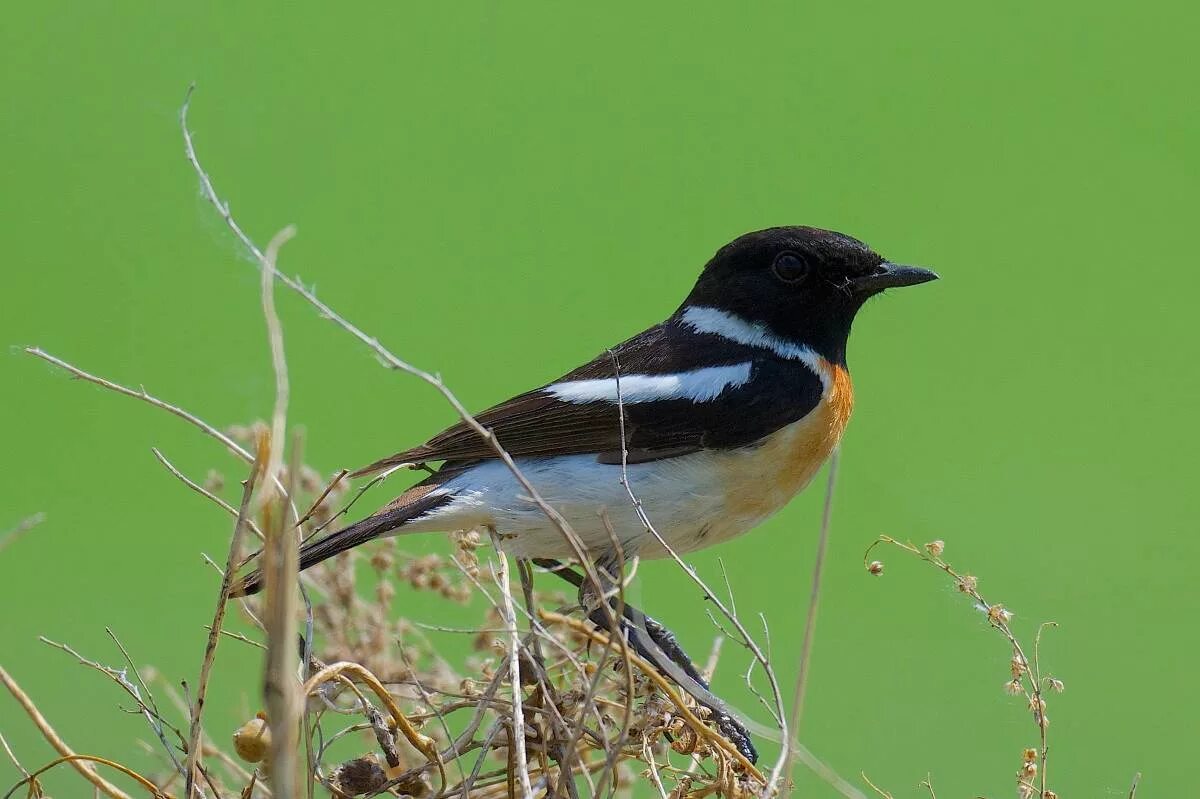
(499, 192)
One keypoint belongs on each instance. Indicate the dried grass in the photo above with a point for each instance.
(547, 704)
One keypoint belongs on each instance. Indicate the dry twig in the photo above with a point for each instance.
(215, 629)
(60, 746)
(810, 623)
(517, 727)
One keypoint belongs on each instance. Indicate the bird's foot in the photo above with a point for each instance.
(731, 728)
(655, 643)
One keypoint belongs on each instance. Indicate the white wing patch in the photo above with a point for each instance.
(734, 328)
(697, 385)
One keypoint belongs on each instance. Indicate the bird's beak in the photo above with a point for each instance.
(890, 276)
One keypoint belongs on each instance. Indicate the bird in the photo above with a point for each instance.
(713, 419)
(731, 406)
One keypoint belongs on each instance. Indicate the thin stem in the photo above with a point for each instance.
(214, 631)
(810, 623)
(53, 738)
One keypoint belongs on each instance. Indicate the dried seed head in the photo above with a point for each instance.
(1029, 755)
(875, 567)
(483, 640)
(1014, 687)
(1037, 706)
(1029, 769)
(936, 548)
(359, 776)
(252, 740)
(1049, 795)
(413, 785)
(968, 584)
(998, 614)
(569, 700)
(381, 560)
(214, 481)
(240, 432)
(683, 737)
(460, 593)
(682, 789)
(469, 539)
(1056, 685)
(1019, 666)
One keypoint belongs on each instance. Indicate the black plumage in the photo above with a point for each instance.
(538, 424)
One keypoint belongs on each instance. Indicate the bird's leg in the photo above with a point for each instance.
(592, 596)
(657, 644)
(664, 644)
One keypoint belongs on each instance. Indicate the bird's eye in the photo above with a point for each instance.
(790, 267)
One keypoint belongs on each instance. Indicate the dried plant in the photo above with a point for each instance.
(1025, 677)
(360, 699)
(546, 705)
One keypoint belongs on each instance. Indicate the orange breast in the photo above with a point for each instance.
(764, 479)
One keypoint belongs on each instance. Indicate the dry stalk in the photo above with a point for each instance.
(84, 760)
(1026, 672)
(281, 577)
(60, 746)
(517, 724)
(565, 728)
(12, 756)
(423, 743)
(215, 629)
(810, 624)
(278, 362)
(150, 711)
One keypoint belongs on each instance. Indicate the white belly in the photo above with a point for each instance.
(693, 501)
(679, 494)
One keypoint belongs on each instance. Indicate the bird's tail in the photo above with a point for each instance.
(404, 508)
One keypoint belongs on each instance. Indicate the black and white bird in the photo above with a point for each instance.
(730, 408)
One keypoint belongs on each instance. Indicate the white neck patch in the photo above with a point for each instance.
(734, 328)
(697, 385)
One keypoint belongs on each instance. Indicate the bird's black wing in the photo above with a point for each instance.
(537, 423)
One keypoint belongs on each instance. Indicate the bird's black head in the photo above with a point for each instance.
(802, 284)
